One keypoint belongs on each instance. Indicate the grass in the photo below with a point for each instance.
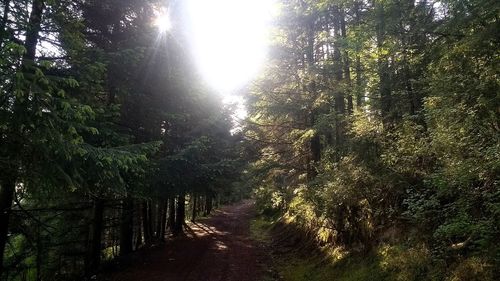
(259, 229)
(314, 269)
(384, 263)
(293, 266)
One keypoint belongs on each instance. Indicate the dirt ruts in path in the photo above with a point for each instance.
(218, 248)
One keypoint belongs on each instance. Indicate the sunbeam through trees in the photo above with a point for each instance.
(249, 140)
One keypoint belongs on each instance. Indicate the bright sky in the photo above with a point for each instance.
(230, 39)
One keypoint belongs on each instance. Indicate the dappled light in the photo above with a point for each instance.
(249, 140)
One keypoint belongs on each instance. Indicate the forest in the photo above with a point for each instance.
(369, 146)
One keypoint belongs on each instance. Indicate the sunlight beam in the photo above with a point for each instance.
(162, 22)
(230, 39)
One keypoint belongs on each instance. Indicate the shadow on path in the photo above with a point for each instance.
(218, 248)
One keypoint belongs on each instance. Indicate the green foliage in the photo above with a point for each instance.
(385, 262)
(379, 122)
(105, 120)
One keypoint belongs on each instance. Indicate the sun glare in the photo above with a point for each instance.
(230, 39)
(162, 22)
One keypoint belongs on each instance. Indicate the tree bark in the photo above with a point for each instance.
(151, 219)
(163, 218)
(180, 214)
(194, 209)
(126, 227)
(359, 90)
(9, 181)
(208, 204)
(339, 95)
(347, 66)
(160, 210)
(94, 259)
(7, 191)
(171, 213)
(383, 68)
(138, 241)
(359, 81)
(3, 24)
(146, 223)
(34, 26)
(315, 142)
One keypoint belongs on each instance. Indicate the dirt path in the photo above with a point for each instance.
(215, 249)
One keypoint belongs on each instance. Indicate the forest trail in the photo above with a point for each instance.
(218, 248)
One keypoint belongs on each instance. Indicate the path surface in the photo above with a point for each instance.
(215, 249)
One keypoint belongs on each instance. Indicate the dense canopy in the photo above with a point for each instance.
(372, 127)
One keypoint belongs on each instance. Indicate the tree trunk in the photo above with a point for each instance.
(9, 182)
(315, 142)
(138, 241)
(217, 201)
(383, 68)
(39, 252)
(163, 218)
(200, 204)
(315, 146)
(3, 24)
(171, 213)
(180, 214)
(208, 204)
(194, 210)
(359, 81)
(359, 86)
(347, 66)
(160, 210)
(157, 219)
(146, 223)
(126, 226)
(94, 259)
(34, 26)
(151, 219)
(7, 191)
(339, 95)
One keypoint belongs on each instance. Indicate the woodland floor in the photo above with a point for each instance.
(218, 248)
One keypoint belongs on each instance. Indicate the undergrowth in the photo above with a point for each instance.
(292, 261)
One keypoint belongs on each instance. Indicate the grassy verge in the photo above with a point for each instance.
(290, 265)
(384, 263)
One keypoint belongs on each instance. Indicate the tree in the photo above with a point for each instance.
(364, 122)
